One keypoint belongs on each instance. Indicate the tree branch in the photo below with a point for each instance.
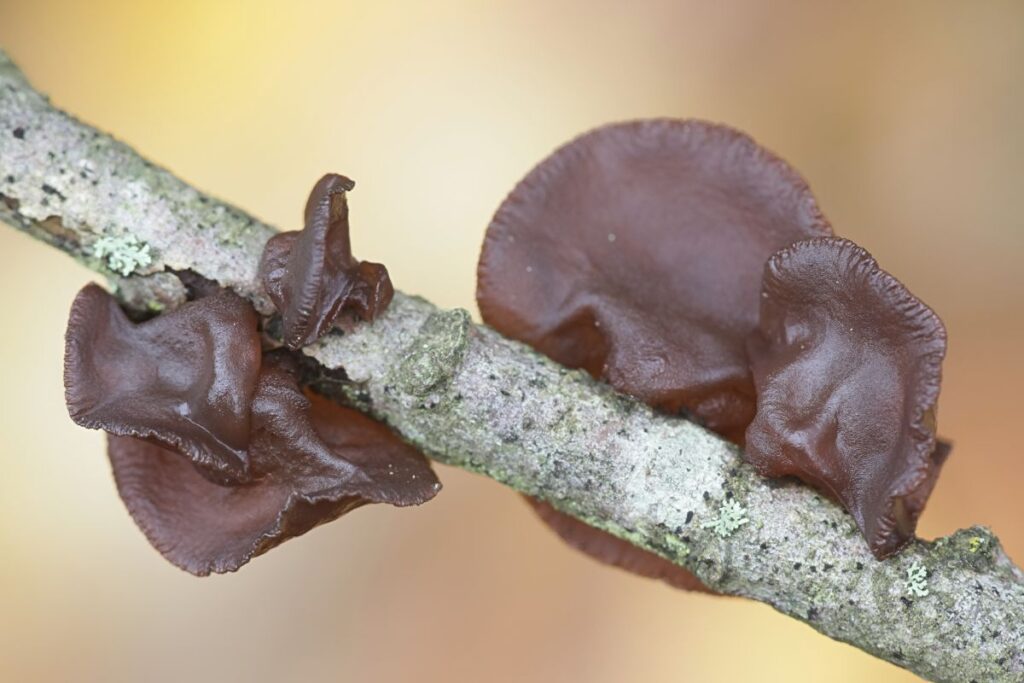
(950, 610)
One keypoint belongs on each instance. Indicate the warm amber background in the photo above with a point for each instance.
(907, 118)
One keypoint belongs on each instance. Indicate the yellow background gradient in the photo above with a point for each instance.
(906, 117)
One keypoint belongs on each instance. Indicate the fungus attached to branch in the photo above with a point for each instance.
(636, 252)
(184, 379)
(312, 462)
(217, 453)
(311, 275)
(847, 365)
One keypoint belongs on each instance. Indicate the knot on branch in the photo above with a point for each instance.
(435, 354)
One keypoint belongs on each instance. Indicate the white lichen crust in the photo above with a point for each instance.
(950, 610)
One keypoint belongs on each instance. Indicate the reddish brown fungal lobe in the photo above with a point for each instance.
(312, 462)
(184, 379)
(311, 275)
(847, 365)
(636, 252)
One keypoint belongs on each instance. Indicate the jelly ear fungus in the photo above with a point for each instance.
(216, 451)
(313, 461)
(847, 365)
(311, 275)
(635, 252)
(184, 379)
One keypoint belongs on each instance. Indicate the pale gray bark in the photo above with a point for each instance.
(950, 610)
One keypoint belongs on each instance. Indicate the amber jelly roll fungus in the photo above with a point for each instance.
(635, 252)
(847, 365)
(217, 453)
(311, 275)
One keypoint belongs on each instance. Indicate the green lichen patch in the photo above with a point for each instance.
(436, 353)
(123, 254)
(975, 548)
(677, 548)
(917, 581)
(731, 516)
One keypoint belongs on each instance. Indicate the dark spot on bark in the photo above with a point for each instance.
(9, 179)
(860, 566)
(49, 189)
(19, 133)
(907, 602)
(812, 614)
(827, 566)
(797, 565)
(689, 517)
(764, 546)
(707, 496)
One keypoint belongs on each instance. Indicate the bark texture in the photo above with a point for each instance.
(949, 610)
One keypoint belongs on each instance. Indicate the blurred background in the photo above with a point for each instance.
(907, 119)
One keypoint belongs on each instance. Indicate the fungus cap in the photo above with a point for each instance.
(311, 275)
(313, 461)
(847, 364)
(635, 252)
(184, 379)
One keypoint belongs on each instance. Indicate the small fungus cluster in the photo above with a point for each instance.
(217, 452)
(689, 267)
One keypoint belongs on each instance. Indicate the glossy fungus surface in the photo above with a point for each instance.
(184, 379)
(847, 365)
(311, 275)
(636, 253)
(312, 461)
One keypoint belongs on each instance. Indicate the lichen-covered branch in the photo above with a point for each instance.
(951, 610)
